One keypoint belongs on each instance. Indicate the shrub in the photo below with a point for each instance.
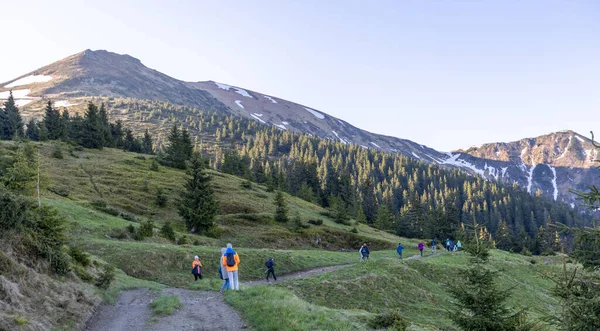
(112, 211)
(182, 240)
(316, 222)
(129, 217)
(62, 191)
(167, 231)
(140, 157)
(354, 230)
(390, 320)
(120, 233)
(57, 152)
(130, 228)
(161, 198)
(154, 166)
(79, 148)
(214, 232)
(246, 185)
(146, 230)
(106, 277)
(83, 274)
(79, 256)
(98, 203)
(13, 210)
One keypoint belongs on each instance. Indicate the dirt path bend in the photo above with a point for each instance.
(201, 310)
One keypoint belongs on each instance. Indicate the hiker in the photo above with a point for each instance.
(458, 246)
(448, 245)
(400, 249)
(223, 273)
(230, 261)
(364, 252)
(270, 264)
(433, 246)
(451, 246)
(197, 268)
(421, 246)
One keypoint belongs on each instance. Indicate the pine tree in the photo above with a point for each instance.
(198, 206)
(52, 122)
(92, 135)
(480, 304)
(176, 151)
(369, 201)
(106, 129)
(281, 209)
(14, 122)
(33, 132)
(147, 143)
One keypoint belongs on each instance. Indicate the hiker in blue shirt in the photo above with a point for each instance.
(400, 249)
(432, 246)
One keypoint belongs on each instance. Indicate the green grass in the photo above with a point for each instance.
(165, 305)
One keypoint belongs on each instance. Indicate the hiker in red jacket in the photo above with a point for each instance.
(421, 246)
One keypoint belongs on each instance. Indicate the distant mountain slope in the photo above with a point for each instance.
(552, 163)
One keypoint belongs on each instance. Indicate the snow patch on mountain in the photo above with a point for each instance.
(374, 144)
(22, 102)
(17, 94)
(64, 103)
(363, 146)
(239, 103)
(257, 116)
(238, 90)
(491, 170)
(504, 171)
(554, 182)
(453, 160)
(418, 157)
(31, 79)
(530, 177)
(316, 113)
(281, 126)
(285, 123)
(268, 97)
(342, 140)
(566, 149)
(579, 138)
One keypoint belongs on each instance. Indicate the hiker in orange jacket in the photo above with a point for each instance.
(197, 268)
(230, 261)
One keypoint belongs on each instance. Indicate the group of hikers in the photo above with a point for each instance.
(229, 261)
(228, 270)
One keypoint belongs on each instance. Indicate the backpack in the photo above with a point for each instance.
(230, 260)
(269, 264)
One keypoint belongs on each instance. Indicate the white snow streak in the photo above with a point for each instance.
(316, 113)
(238, 90)
(257, 116)
(554, 182)
(342, 140)
(239, 103)
(363, 146)
(29, 80)
(530, 177)
(453, 160)
(285, 123)
(572, 205)
(223, 86)
(268, 97)
(17, 94)
(418, 157)
(374, 144)
(504, 171)
(491, 170)
(566, 149)
(281, 126)
(64, 103)
(579, 138)
(22, 102)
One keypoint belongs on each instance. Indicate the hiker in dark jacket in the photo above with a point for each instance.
(420, 247)
(230, 261)
(400, 249)
(364, 252)
(223, 273)
(433, 246)
(270, 264)
(197, 268)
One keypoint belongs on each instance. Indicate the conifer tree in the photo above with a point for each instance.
(176, 151)
(147, 143)
(198, 206)
(52, 122)
(281, 209)
(92, 135)
(32, 132)
(14, 122)
(106, 130)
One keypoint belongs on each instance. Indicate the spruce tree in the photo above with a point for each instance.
(3, 124)
(33, 132)
(106, 130)
(52, 122)
(176, 151)
(92, 135)
(281, 209)
(147, 143)
(14, 122)
(198, 206)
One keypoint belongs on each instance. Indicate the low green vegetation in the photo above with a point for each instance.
(165, 305)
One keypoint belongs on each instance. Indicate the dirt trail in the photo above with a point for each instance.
(201, 310)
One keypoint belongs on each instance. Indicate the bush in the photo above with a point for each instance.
(120, 233)
(146, 230)
(154, 166)
(106, 277)
(246, 185)
(112, 211)
(62, 191)
(161, 198)
(354, 230)
(182, 240)
(57, 152)
(129, 217)
(98, 203)
(83, 274)
(391, 320)
(140, 157)
(214, 232)
(130, 228)
(167, 231)
(79, 256)
(13, 210)
(316, 222)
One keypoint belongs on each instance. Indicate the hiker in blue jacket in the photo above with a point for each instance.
(364, 252)
(400, 249)
(433, 246)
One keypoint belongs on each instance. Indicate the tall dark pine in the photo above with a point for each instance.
(106, 130)
(176, 152)
(3, 124)
(369, 200)
(53, 122)
(65, 125)
(147, 143)
(33, 132)
(14, 122)
(198, 206)
(186, 144)
(281, 209)
(92, 135)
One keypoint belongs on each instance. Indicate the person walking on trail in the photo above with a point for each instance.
(433, 246)
(421, 246)
(448, 245)
(400, 249)
(270, 264)
(458, 245)
(197, 268)
(230, 261)
(223, 273)
(364, 252)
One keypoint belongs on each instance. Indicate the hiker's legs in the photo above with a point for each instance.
(271, 272)
(225, 285)
(195, 277)
(236, 283)
(231, 284)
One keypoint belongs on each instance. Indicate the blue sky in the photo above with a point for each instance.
(447, 74)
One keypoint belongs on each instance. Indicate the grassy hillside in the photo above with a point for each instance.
(101, 193)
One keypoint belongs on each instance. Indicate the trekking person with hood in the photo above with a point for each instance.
(197, 268)
(420, 247)
(433, 246)
(458, 245)
(448, 245)
(230, 261)
(400, 249)
(223, 273)
(270, 264)
(364, 252)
